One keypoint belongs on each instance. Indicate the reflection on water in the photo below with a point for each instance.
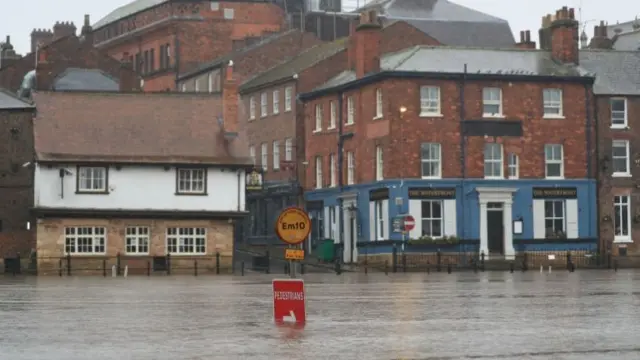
(566, 316)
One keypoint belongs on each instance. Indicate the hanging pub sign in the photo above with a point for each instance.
(254, 180)
(555, 192)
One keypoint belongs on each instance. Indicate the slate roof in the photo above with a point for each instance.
(133, 127)
(624, 28)
(85, 79)
(224, 59)
(449, 23)
(449, 60)
(126, 10)
(629, 41)
(9, 101)
(617, 72)
(304, 60)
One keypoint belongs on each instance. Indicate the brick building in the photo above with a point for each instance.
(165, 37)
(61, 60)
(16, 177)
(617, 109)
(273, 119)
(485, 145)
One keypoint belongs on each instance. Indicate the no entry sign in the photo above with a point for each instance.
(409, 223)
(289, 301)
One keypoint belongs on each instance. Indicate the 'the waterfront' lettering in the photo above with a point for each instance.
(288, 295)
(295, 226)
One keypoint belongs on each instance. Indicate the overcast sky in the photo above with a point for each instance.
(522, 15)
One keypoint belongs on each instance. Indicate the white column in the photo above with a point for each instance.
(346, 249)
(507, 211)
(484, 242)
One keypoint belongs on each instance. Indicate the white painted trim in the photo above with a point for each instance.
(504, 196)
(571, 216)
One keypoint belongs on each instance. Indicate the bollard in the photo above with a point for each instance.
(525, 265)
(482, 256)
(242, 268)
(268, 257)
(511, 266)
(386, 267)
(541, 269)
(338, 270)
(549, 268)
(168, 263)
(68, 264)
(218, 263)
(365, 266)
(286, 268)
(573, 267)
(615, 265)
(439, 261)
(448, 268)
(113, 271)
(126, 270)
(104, 267)
(404, 262)
(569, 260)
(301, 268)
(394, 259)
(118, 264)
(428, 267)
(148, 268)
(195, 267)
(60, 267)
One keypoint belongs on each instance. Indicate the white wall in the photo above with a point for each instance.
(140, 188)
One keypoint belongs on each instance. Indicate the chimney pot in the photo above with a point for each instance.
(522, 36)
(527, 35)
(572, 14)
(8, 41)
(86, 20)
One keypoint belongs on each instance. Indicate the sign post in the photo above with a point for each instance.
(293, 227)
(408, 224)
(289, 302)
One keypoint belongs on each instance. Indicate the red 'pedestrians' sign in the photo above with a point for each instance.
(289, 301)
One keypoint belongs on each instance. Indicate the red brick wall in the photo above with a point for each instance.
(401, 135)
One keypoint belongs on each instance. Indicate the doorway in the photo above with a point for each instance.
(495, 228)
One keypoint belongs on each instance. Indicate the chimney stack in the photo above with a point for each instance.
(559, 34)
(40, 37)
(87, 31)
(62, 29)
(230, 101)
(525, 41)
(600, 39)
(364, 44)
(128, 78)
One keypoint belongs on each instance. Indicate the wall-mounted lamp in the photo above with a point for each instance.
(402, 109)
(353, 210)
(606, 218)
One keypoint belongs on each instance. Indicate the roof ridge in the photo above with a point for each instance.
(10, 94)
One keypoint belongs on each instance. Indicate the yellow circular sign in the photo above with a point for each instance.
(293, 225)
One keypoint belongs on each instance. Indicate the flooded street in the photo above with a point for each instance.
(560, 316)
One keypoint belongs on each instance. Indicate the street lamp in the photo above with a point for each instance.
(402, 110)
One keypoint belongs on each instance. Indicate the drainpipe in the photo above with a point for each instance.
(176, 63)
(601, 248)
(463, 151)
(239, 189)
(340, 171)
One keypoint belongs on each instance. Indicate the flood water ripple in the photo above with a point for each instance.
(583, 315)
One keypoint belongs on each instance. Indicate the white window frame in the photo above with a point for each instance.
(252, 153)
(351, 168)
(333, 115)
(318, 126)
(252, 108)
(276, 155)
(552, 103)
(489, 99)
(431, 218)
(332, 170)
(552, 149)
(287, 98)
(626, 159)
(191, 181)
(288, 149)
(178, 238)
(319, 175)
(622, 117)
(264, 156)
(430, 104)
(264, 105)
(513, 165)
(276, 102)
(554, 217)
(491, 161)
(435, 157)
(379, 163)
(332, 223)
(351, 109)
(378, 204)
(378, 104)
(92, 179)
(137, 240)
(210, 82)
(621, 203)
(93, 237)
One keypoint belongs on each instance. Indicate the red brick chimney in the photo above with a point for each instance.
(564, 36)
(600, 40)
(87, 30)
(364, 44)
(43, 70)
(40, 37)
(62, 29)
(128, 78)
(525, 41)
(230, 101)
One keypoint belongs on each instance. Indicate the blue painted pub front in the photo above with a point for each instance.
(504, 216)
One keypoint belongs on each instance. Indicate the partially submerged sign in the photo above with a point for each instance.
(289, 301)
